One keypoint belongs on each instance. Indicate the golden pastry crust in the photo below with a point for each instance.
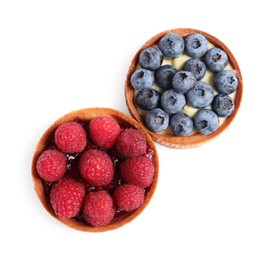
(86, 115)
(167, 138)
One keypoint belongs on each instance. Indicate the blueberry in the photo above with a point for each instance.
(148, 99)
(151, 58)
(157, 120)
(226, 82)
(142, 79)
(172, 45)
(215, 59)
(206, 121)
(172, 101)
(196, 45)
(181, 124)
(196, 67)
(200, 96)
(164, 76)
(223, 105)
(183, 81)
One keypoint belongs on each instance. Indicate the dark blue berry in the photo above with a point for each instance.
(157, 120)
(164, 76)
(226, 82)
(151, 58)
(181, 124)
(223, 105)
(142, 79)
(196, 45)
(206, 121)
(200, 96)
(183, 81)
(196, 67)
(172, 45)
(216, 59)
(172, 101)
(148, 99)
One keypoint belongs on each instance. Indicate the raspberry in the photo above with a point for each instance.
(51, 165)
(96, 167)
(138, 171)
(104, 131)
(131, 143)
(67, 197)
(70, 137)
(129, 197)
(99, 208)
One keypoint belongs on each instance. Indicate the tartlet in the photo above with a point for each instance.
(86, 115)
(167, 138)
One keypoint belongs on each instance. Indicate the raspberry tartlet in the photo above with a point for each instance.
(175, 87)
(85, 169)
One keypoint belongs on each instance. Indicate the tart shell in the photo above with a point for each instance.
(86, 115)
(167, 138)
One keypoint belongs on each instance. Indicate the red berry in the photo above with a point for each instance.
(131, 143)
(138, 171)
(96, 167)
(129, 197)
(104, 131)
(67, 197)
(70, 137)
(99, 208)
(51, 165)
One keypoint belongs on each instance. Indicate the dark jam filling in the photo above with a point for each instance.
(72, 168)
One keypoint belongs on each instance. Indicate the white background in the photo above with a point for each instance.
(212, 202)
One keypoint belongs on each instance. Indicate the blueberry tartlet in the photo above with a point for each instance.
(184, 86)
(95, 169)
